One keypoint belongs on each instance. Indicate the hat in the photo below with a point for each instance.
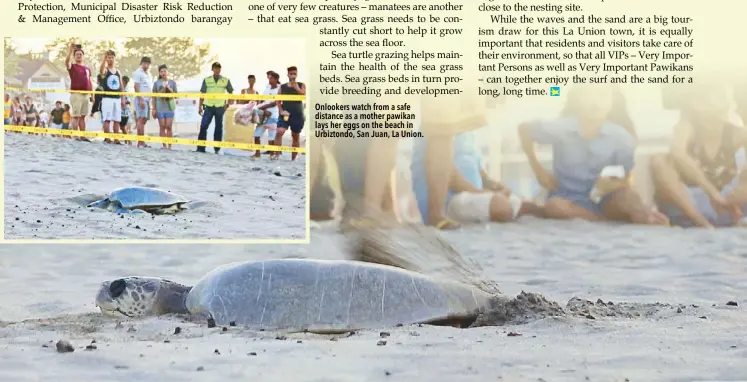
(145, 60)
(216, 65)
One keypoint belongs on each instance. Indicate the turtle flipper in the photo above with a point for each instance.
(170, 210)
(103, 203)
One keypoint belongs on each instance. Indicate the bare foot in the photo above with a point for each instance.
(658, 218)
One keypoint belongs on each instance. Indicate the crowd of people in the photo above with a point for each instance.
(698, 182)
(23, 110)
(97, 94)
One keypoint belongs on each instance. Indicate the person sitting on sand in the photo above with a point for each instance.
(699, 183)
(8, 106)
(473, 197)
(31, 113)
(66, 117)
(18, 114)
(593, 132)
(56, 114)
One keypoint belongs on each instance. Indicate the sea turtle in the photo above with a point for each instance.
(323, 296)
(140, 200)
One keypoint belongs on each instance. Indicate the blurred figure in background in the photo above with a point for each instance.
(31, 113)
(472, 195)
(18, 114)
(593, 132)
(56, 114)
(7, 109)
(699, 182)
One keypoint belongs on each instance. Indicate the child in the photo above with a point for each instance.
(123, 123)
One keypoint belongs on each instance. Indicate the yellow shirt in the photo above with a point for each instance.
(7, 110)
(66, 117)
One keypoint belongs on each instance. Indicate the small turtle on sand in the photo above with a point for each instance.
(142, 199)
(382, 287)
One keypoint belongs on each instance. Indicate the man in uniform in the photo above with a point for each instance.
(213, 108)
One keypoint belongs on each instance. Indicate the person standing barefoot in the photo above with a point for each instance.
(292, 115)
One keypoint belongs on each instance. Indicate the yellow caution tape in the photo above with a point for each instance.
(146, 138)
(247, 97)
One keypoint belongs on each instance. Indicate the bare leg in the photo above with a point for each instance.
(530, 208)
(296, 143)
(123, 130)
(115, 128)
(564, 209)
(626, 205)
(107, 131)
(669, 188)
(141, 131)
(381, 159)
(279, 140)
(315, 160)
(169, 122)
(439, 154)
(161, 130)
(258, 153)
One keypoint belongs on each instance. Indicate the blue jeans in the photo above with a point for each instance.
(208, 113)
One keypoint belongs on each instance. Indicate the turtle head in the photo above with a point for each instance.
(141, 297)
(103, 203)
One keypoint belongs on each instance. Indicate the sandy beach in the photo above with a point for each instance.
(49, 181)
(672, 318)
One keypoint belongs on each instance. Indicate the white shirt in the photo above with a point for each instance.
(143, 79)
(274, 112)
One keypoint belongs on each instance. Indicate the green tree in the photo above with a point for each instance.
(10, 68)
(184, 58)
(94, 51)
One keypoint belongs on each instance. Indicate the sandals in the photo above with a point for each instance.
(448, 225)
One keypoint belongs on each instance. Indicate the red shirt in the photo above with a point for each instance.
(80, 77)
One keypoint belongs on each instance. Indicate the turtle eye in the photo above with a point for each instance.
(117, 287)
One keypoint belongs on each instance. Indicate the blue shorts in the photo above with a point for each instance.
(702, 202)
(271, 131)
(583, 201)
(6, 121)
(294, 123)
(142, 112)
(165, 114)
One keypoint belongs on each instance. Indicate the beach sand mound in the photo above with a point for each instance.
(49, 181)
(670, 290)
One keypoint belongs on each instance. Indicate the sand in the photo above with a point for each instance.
(692, 334)
(49, 181)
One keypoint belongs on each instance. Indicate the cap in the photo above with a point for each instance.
(216, 65)
(145, 60)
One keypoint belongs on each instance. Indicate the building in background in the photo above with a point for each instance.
(36, 71)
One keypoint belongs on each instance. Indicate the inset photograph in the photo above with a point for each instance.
(163, 138)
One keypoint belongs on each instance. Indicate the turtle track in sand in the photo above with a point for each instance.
(529, 307)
